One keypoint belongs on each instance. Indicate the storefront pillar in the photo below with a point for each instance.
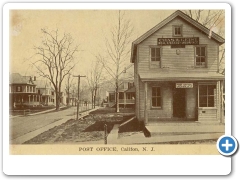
(222, 103)
(145, 102)
(124, 97)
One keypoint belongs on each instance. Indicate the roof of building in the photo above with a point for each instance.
(177, 13)
(42, 84)
(180, 76)
(16, 78)
(132, 89)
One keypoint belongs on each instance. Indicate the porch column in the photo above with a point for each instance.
(145, 102)
(222, 105)
(124, 97)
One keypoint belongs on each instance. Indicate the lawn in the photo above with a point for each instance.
(89, 128)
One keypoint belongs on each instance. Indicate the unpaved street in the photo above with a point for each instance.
(25, 124)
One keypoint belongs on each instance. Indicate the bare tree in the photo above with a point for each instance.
(94, 79)
(118, 50)
(211, 19)
(69, 87)
(56, 58)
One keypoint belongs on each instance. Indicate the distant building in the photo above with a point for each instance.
(126, 95)
(22, 91)
(176, 68)
(47, 94)
(25, 91)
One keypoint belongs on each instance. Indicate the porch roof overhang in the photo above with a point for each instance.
(181, 77)
(131, 90)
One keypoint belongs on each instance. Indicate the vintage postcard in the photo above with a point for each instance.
(94, 79)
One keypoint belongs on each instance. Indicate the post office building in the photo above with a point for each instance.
(176, 72)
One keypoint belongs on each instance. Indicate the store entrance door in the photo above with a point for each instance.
(179, 103)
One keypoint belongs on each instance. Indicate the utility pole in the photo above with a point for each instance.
(79, 77)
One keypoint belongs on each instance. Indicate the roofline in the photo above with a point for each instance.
(198, 25)
(183, 79)
(23, 84)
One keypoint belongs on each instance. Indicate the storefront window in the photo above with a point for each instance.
(207, 95)
(156, 97)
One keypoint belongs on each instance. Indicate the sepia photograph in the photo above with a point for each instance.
(116, 81)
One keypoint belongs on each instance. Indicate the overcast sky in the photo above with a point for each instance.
(88, 28)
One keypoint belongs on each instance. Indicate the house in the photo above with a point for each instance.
(176, 72)
(63, 98)
(22, 91)
(47, 94)
(126, 94)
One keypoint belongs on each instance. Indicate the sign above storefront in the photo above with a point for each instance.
(178, 41)
(184, 85)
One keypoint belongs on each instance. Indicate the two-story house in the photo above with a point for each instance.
(176, 72)
(45, 91)
(22, 91)
(126, 94)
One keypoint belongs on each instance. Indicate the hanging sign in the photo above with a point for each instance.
(178, 41)
(184, 85)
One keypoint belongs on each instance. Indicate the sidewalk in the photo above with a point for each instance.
(141, 139)
(169, 133)
(30, 135)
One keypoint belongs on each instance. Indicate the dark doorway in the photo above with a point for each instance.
(179, 103)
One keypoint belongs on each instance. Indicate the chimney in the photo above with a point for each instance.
(34, 78)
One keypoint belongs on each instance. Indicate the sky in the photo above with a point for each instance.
(89, 28)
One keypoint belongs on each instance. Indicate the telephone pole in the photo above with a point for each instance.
(79, 77)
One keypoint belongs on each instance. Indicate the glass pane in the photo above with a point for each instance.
(210, 101)
(203, 60)
(202, 51)
(153, 59)
(157, 59)
(152, 52)
(175, 30)
(203, 101)
(197, 51)
(159, 102)
(202, 90)
(157, 52)
(154, 91)
(211, 89)
(158, 91)
(154, 102)
(198, 60)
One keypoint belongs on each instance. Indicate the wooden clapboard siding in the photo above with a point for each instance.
(185, 60)
(209, 115)
(166, 110)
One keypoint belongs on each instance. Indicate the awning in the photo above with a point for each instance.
(156, 76)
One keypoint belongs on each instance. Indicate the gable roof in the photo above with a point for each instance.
(177, 13)
(42, 84)
(16, 78)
